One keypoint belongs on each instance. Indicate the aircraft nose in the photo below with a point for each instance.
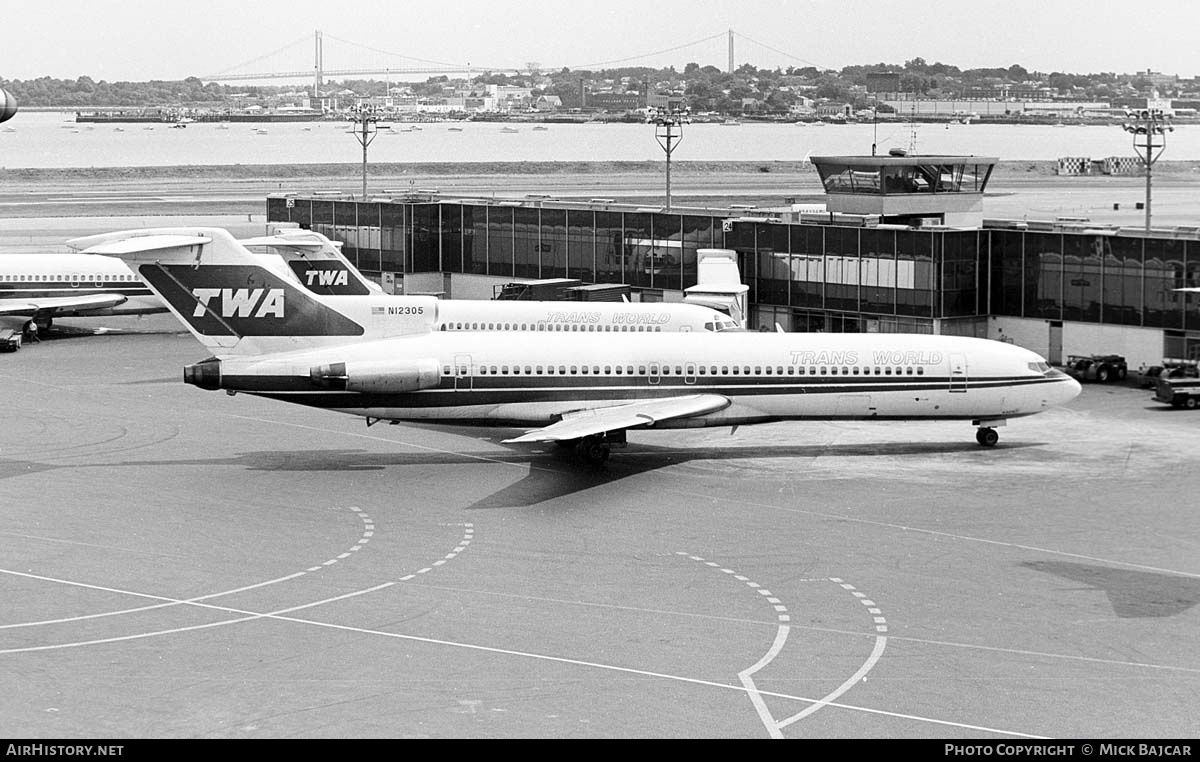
(1065, 390)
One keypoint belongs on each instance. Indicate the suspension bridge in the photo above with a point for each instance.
(283, 63)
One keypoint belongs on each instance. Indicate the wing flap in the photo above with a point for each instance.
(60, 303)
(584, 423)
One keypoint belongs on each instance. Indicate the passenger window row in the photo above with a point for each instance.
(551, 328)
(40, 278)
(680, 370)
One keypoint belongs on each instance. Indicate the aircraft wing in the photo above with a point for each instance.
(60, 303)
(583, 423)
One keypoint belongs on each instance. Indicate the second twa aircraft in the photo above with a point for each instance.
(273, 339)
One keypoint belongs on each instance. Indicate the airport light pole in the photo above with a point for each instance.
(365, 130)
(668, 130)
(1151, 126)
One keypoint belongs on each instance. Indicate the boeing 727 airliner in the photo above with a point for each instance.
(353, 354)
(321, 267)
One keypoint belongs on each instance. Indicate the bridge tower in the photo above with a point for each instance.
(730, 51)
(318, 68)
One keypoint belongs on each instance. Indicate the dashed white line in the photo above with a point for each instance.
(368, 533)
(310, 570)
(876, 653)
(775, 727)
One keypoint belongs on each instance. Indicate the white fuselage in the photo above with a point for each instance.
(516, 379)
(588, 317)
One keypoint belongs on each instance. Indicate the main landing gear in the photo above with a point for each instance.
(592, 450)
(595, 449)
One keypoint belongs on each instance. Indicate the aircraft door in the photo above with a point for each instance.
(462, 373)
(689, 373)
(958, 372)
(653, 377)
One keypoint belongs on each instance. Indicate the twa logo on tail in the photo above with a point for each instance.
(244, 300)
(240, 302)
(327, 277)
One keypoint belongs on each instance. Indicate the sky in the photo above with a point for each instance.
(138, 40)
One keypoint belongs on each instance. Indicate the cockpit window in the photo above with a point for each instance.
(721, 325)
(1039, 367)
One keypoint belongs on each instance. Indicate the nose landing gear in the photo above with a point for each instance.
(986, 437)
(986, 433)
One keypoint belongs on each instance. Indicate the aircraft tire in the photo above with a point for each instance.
(986, 437)
(592, 450)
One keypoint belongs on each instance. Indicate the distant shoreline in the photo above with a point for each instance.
(381, 171)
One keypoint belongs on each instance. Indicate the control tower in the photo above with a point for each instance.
(907, 190)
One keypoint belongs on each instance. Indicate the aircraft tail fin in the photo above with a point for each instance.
(317, 262)
(232, 300)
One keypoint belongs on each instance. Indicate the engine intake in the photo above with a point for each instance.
(377, 377)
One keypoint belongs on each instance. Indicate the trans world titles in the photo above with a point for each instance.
(877, 358)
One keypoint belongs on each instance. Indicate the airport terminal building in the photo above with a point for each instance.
(902, 246)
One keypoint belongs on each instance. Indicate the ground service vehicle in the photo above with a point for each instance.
(1178, 391)
(1100, 368)
(1171, 368)
(10, 340)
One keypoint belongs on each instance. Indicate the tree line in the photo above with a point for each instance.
(703, 88)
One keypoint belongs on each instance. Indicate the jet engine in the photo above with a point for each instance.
(377, 377)
(205, 374)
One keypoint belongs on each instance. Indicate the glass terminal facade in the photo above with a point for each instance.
(806, 275)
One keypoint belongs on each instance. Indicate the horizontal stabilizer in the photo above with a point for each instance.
(143, 243)
(274, 240)
(584, 423)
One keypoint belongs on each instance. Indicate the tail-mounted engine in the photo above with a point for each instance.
(377, 377)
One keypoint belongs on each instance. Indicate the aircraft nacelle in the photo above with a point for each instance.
(205, 374)
(384, 377)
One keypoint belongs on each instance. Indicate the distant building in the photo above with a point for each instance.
(614, 101)
(883, 82)
(1155, 78)
(665, 101)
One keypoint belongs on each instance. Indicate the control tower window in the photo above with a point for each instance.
(869, 176)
